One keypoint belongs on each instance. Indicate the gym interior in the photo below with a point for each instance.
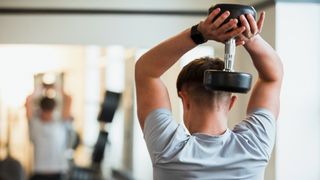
(90, 48)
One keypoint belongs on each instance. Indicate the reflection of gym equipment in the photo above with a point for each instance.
(49, 85)
(106, 114)
(99, 147)
(227, 79)
(108, 109)
(10, 168)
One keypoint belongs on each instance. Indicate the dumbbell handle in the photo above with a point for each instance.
(229, 54)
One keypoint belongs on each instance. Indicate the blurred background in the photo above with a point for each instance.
(91, 48)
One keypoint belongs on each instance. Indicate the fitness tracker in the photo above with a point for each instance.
(196, 35)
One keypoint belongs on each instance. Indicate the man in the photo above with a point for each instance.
(211, 151)
(49, 135)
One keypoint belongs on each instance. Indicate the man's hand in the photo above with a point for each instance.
(217, 30)
(252, 28)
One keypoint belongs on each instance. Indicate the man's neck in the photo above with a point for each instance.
(46, 116)
(211, 122)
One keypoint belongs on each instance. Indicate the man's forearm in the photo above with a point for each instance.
(160, 58)
(265, 59)
(28, 107)
(151, 92)
(66, 112)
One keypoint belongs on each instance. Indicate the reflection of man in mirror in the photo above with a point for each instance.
(49, 134)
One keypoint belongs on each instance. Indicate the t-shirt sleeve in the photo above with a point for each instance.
(159, 129)
(259, 128)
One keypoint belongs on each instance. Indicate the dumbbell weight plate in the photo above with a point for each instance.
(235, 11)
(236, 82)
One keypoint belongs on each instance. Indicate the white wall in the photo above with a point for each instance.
(298, 43)
(107, 29)
(116, 4)
(126, 30)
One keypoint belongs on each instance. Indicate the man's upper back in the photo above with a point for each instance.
(50, 144)
(242, 153)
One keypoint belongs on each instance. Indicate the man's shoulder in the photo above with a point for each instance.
(256, 118)
(157, 117)
(257, 132)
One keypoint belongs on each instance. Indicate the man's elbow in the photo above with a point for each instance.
(280, 71)
(274, 73)
(138, 70)
(143, 69)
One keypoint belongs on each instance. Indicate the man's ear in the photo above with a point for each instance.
(185, 99)
(232, 101)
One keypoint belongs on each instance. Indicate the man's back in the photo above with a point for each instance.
(242, 153)
(50, 144)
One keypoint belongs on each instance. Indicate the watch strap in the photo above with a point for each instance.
(196, 35)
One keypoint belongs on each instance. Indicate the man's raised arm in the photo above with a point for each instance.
(151, 92)
(266, 92)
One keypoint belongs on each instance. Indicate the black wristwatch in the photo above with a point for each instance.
(196, 35)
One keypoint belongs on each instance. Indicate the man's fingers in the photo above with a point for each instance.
(212, 15)
(241, 37)
(246, 24)
(228, 26)
(240, 42)
(217, 23)
(234, 33)
(221, 32)
(253, 25)
(261, 21)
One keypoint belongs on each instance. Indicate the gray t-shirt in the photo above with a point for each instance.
(50, 145)
(241, 153)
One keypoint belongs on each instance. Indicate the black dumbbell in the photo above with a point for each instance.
(235, 11)
(227, 79)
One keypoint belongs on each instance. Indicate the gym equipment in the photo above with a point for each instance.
(235, 11)
(109, 106)
(98, 151)
(228, 80)
(49, 85)
(83, 173)
(10, 168)
(92, 172)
